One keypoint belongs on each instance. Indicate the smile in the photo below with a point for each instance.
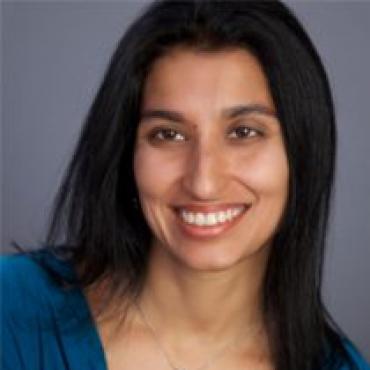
(210, 219)
(209, 223)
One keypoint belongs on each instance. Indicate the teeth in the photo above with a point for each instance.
(200, 219)
(210, 219)
(222, 217)
(234, 212)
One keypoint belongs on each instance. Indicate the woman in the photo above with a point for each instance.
(193, 214)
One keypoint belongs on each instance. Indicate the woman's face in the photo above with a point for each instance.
(210, 164)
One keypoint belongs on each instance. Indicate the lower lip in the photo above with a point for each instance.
(206, 232)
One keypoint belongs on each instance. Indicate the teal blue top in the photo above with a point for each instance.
(47, 327)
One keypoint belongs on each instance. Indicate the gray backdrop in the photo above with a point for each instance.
(53, 57)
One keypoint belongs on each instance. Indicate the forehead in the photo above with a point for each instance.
(187, 77)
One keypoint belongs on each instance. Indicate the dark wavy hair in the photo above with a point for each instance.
(95, 213)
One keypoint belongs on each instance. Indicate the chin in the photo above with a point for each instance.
(221, 259)
(209, 262)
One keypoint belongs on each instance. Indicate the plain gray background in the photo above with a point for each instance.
(53, 58)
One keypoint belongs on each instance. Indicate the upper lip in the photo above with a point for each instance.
(209, 208)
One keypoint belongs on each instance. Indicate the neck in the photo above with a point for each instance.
(204, 304)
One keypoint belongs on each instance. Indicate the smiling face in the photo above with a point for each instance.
(209, 163)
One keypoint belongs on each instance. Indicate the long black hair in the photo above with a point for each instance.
(95, 213)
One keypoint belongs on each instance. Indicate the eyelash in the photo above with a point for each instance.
(250, 131)
(154, 135)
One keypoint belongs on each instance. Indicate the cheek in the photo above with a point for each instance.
(154, 171)
(265, 171)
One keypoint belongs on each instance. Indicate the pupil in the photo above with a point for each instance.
(169, 134)
(242, 131)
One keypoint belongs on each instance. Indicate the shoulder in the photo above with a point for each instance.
(30, 282)
(37, 311)
(21, 280)
(340, 353)
(355, 355)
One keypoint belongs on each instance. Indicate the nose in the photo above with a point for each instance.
(206, 171)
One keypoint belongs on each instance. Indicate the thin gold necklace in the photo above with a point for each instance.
(208, 363)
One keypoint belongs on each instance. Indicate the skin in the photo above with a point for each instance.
(210, 167)
(201, 294)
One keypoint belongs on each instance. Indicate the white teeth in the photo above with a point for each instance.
(200, 219)
(222, 217)
(190, 218)
(210, 219)
(234, 212)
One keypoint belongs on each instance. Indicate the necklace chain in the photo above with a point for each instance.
(207, 364)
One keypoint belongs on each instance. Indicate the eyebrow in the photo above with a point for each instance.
(241, 110)
(233, 112)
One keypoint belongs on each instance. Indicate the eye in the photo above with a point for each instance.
(242, 132)
(166, 134)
